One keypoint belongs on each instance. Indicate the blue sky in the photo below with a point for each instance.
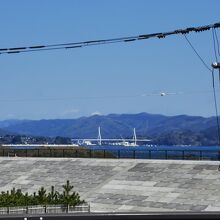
(125, 69)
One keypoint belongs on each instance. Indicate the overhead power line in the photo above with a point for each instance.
(196, 52)
(128, 96)
(217, 41)
(216, 51)
(216, 107)
(74, 45)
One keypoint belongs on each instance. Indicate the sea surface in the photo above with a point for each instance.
(155, 147)
(162, 152)
(141, 148)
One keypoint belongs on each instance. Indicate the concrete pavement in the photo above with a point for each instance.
(121, 185)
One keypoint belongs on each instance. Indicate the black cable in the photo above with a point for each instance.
(213, 85)
(216, 112)
(62, 47)
(214, 93)
(201, 59)
(214, 45)
(12, 50)
(216, 36)
(216, 106)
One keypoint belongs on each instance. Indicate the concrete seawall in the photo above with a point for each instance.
(121, 185)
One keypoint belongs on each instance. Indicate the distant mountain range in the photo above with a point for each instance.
(181, 129)
(3, 132)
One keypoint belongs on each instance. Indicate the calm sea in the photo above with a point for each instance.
(162, 152)
(154, 152)
(139, 148)
(162, 147)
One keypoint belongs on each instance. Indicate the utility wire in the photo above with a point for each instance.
(214, 44)
(46, 48)
(213, 85)
(153, 94)
(216, 106)
(214, 93)
(195, 51)
(73, 45)
(213, 82)
(216, 36)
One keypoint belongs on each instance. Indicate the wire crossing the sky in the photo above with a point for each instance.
(195, 51)
(74, 45)
(216, 53)
(127, 96)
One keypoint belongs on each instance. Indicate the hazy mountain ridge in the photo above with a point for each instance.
(11, 122)
(3, 132)
(163, 129)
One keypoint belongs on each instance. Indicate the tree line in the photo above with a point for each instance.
(16, 197)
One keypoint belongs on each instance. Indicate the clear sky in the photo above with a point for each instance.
(125, 69)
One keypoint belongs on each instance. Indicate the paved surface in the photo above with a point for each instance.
(121, 216)
(121, 185)
(124, 216)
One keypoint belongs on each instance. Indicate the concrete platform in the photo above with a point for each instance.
(121, 185)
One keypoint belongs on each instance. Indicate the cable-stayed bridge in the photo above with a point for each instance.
(122, 141)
